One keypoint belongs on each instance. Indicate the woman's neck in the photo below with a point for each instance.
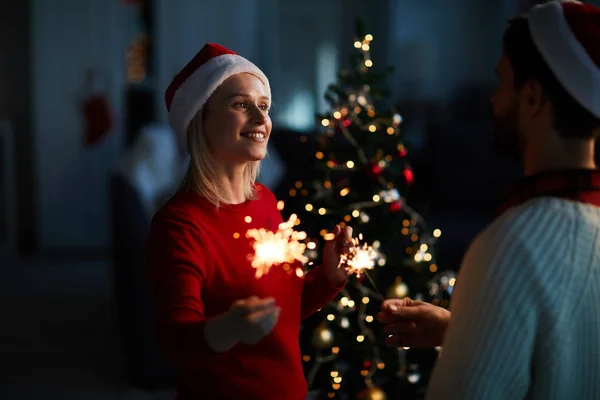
(231, 182)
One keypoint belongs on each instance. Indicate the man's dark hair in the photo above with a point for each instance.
(570, 118)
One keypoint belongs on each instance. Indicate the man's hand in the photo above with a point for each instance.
(331, 254)
(413, 323)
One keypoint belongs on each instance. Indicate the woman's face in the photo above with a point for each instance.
(236, 122)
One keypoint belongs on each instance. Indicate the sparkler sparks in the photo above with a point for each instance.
(358, 259)
(280, 247)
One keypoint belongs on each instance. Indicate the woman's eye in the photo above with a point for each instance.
(240, 105)
(264, 107)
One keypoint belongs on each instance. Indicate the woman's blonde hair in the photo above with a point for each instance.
(200, 175)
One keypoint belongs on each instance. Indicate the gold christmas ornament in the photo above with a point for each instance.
(398, 290)
(322, 337)
(371, 393)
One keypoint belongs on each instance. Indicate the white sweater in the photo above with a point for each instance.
(526, 308)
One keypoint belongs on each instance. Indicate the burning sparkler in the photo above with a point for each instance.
(359, 259)
(280, 247)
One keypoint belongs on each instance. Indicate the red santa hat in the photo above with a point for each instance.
(567, 34)
(193, 86)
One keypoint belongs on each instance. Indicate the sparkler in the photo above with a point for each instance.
(359, 259)
(279, 247)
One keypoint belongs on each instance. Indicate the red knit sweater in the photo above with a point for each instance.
(197, 267)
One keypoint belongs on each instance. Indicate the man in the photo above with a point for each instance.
(525, 319)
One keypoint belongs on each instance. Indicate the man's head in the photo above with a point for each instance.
(548, 80)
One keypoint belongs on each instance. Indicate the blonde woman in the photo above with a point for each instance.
(232, 336)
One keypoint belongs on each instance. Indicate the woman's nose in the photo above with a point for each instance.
(259, 115)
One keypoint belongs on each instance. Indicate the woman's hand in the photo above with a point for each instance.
(247, 321)
(331, 255)
(255, 318)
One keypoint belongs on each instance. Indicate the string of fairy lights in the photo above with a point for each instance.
(286, 247)
(345, 118)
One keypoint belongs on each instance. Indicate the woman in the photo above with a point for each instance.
(233, 336)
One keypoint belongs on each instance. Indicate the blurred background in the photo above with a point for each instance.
(86, 154)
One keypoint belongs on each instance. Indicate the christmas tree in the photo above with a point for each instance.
(362, 178)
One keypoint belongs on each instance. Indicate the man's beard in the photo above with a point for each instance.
(507, 140)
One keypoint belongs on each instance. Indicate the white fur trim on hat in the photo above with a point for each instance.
(565, 56)
(195, 91)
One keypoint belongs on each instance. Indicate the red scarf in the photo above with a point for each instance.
(581, 185)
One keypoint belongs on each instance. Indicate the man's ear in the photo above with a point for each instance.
(532, 97)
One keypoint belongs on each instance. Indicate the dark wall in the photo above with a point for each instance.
(15, 106)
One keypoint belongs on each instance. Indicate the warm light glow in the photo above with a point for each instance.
(344, 301)
(280, 205)
(334, 374)
(369, 37)
(330, 317)
(327, 184)
(344, 192)
(337, 115)
(330, 164)
(369, 318)
(335, 350)
(368, 63)
(292, 192)
(365, 300)
(322, 211)
(351, 303)
(414, 237)
(308, 207)
(376, 198)
(329, 236)
(319, 155)
(236, 235)
(424, 247)
(427, 257)
(437, 233)
(433, 268)
(273, 248)
(406, 223)
(452, 281)
(381, 365)
(357, 44)
(306, 358)
(325, 122)
(350, 164)
(337, 379)
(347, 218)
(405, 231)
(298, 184)
(360, 338)
(372, 128)
(358, 258)
(391, 130)
(311, 245)
(355, 213)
